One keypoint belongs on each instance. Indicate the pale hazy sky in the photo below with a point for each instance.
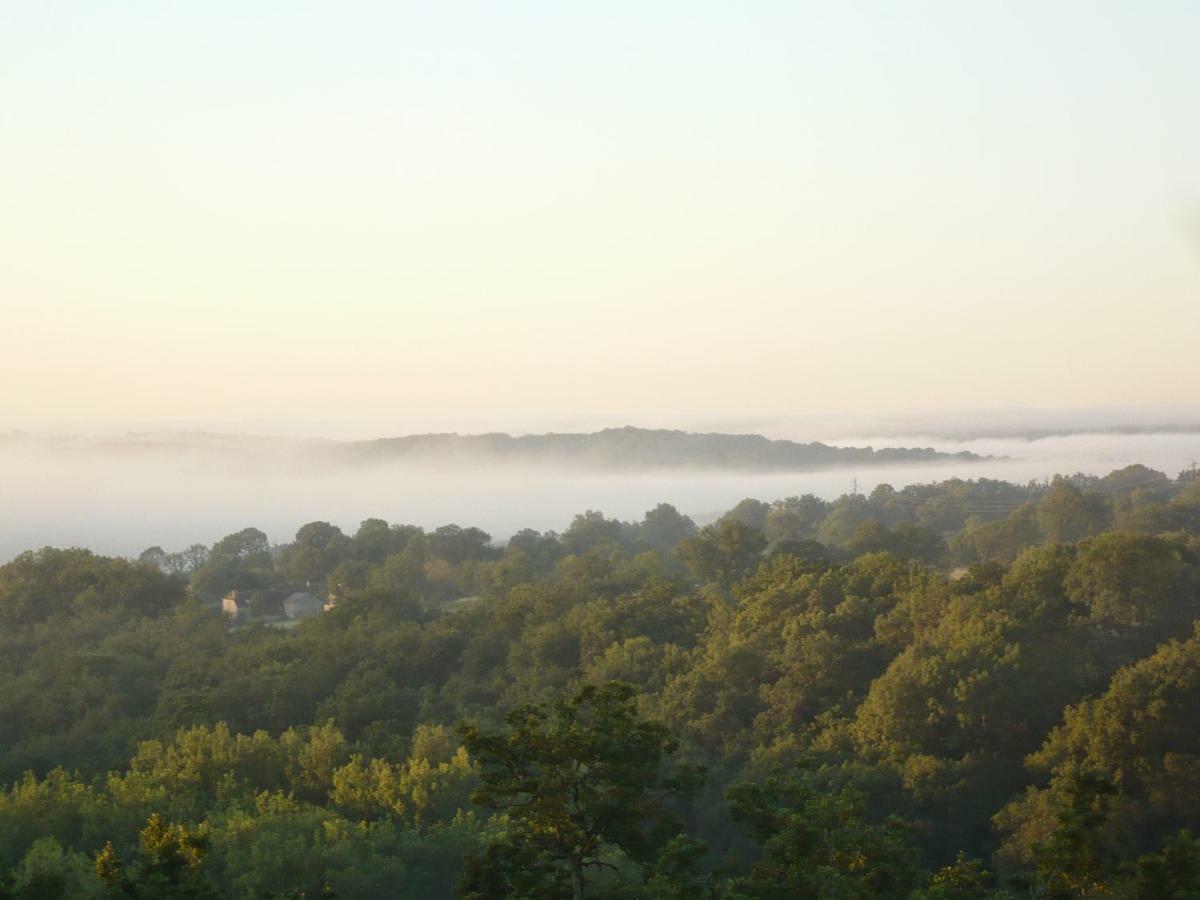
(378, 217)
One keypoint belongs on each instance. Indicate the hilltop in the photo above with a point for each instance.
(638, 448)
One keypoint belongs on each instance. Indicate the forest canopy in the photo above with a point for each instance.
(961, 689)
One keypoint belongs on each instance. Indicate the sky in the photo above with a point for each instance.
(365, 218)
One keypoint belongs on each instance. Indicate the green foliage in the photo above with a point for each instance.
(907, 540)
(817, 844)
(794, 519)
(168, 864)
(964, 879)
(1068, 514)
(724, 552)
(1074, 861)
(947, 664)
(663, 528)
(48, 872)
(239, 561)
(750, 512)
(579, 781)
(1138, 735)
(50, 583)
(1171, 874)
(592, 531)
(317, 550)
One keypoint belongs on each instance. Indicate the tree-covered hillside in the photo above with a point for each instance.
(636, 448)
(953, 690)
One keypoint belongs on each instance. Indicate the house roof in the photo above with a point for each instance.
(269, 601)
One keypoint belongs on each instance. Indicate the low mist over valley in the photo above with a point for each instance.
(121, 494)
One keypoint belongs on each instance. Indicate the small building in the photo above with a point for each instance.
(302, 605)
(331, 598)
(282, 602)
(236, 603)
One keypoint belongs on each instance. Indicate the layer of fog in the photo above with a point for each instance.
(831, 427)
(120, 497)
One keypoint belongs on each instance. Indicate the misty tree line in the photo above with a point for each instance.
(952, 690)
(952, 523)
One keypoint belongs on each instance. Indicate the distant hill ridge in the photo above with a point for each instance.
(630, 447)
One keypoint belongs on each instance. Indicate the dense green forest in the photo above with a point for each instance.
(954, 690)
